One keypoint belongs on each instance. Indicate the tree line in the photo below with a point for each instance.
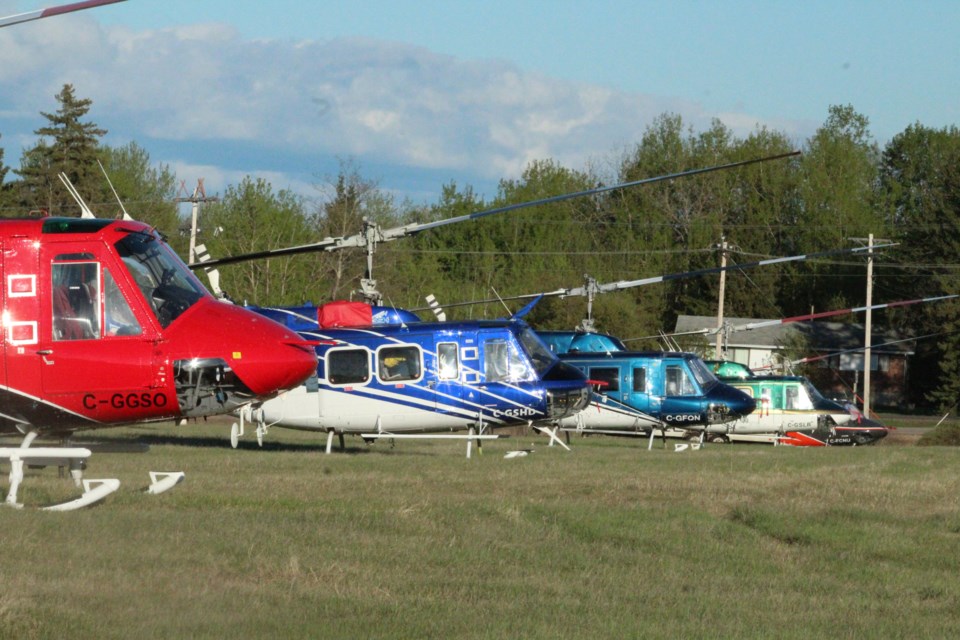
(843, 188)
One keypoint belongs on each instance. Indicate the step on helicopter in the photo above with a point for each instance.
(428, 401)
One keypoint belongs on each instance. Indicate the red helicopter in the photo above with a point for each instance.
(104, 325)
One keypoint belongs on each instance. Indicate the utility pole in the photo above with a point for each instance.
(868, 324)
(868, 330)
(723, 284)
(199, 196)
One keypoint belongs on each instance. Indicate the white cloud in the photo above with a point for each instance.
(204, 86)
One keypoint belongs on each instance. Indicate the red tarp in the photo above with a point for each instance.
(344, 314)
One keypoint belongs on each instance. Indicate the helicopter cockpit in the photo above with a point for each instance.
(167, 284)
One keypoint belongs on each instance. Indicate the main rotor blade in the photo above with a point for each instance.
(629, 284)
(384, 235)
(856, 350)
(590, 192)
(839, 312)
(326, 244)
(53, 11)
(810, 316)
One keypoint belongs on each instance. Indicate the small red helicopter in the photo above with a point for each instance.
(104, 325)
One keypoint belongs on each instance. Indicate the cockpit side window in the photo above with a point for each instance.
(538, 352)
(796, 398)
(119, 319)
(678, 382)
(502, 362)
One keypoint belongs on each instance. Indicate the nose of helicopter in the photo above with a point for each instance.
(265, 356)
(738, 403)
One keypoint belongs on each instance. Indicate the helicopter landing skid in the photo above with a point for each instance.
(93, 490)
(552, 434)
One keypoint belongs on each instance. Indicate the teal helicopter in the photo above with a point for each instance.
(790, 409)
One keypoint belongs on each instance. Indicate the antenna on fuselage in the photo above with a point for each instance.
(509, 313)
(126, 216)
(212, 274)
(84, 209)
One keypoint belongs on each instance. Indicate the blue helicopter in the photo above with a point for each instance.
(385, 374)
(640, 392)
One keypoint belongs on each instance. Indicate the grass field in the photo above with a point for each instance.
(607, 541)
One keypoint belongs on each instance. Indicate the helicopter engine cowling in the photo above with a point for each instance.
(251, 357)
(726, 404)
(566, 393)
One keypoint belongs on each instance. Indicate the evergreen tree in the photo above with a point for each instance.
(682, 222)
(72, 149)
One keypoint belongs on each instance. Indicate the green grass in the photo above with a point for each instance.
(609, 540)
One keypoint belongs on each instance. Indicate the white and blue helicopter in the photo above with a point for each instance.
(385, 374)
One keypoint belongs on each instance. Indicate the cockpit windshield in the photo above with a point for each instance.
(541, 357)
(816, 397)
(166, 283)
(703, 374)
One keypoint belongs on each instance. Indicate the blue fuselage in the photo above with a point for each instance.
(422, 376)
(674, 388)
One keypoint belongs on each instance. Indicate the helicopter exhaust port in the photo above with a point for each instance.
(717, 412)
(562, 403)
(208, 386)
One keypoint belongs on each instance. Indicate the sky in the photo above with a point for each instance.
(421, 94)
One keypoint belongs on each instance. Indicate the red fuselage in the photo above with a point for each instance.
(104, 325)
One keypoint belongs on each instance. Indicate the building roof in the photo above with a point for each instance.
(822, 336)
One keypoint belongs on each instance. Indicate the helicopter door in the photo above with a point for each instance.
(640, 395)
(450, 373)
(21, 315)
(680, 397)
(770, 404)
(90, 339)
